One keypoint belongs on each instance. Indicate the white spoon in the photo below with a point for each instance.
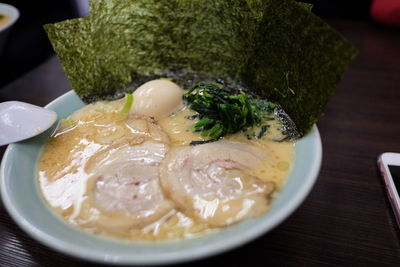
(19, 121)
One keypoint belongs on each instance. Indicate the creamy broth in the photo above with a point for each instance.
(4, 19)
(85, 142)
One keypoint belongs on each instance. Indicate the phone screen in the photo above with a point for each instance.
(395, 172)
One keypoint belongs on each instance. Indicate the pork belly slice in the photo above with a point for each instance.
(125, 187)
(211, 182)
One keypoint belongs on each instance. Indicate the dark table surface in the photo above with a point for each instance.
(345, 220)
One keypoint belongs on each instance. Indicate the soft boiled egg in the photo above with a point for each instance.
(157, 98)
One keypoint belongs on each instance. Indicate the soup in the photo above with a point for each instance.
(4, 19)
(138, 177)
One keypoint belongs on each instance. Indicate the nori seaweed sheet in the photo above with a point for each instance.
(192, 35)
(71, 39)
(277, 47)
(307, 6)
(298, 62)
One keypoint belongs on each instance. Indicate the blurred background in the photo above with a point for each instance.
(27, 44)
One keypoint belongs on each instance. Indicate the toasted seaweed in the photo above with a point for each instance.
(131, 38)
(307, 6)
(71, 39)
(277, 48)
(298, 61)
(192, 35)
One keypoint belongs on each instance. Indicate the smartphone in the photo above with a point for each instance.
(389, 165)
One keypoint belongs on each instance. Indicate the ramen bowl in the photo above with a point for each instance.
(22, 199)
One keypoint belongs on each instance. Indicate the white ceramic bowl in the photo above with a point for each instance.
(21, 197)
(13, 13)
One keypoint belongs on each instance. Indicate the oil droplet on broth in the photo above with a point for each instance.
(283, 165)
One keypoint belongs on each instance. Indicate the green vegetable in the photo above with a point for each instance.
(222, 113)
(279, 49)
(126, 108)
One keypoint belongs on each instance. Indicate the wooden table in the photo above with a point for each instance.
(345, 220)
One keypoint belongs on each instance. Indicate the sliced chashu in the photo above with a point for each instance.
(134, 129)
(124, 185)
(211, 183)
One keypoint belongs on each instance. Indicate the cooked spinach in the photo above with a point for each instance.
(222, 113)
